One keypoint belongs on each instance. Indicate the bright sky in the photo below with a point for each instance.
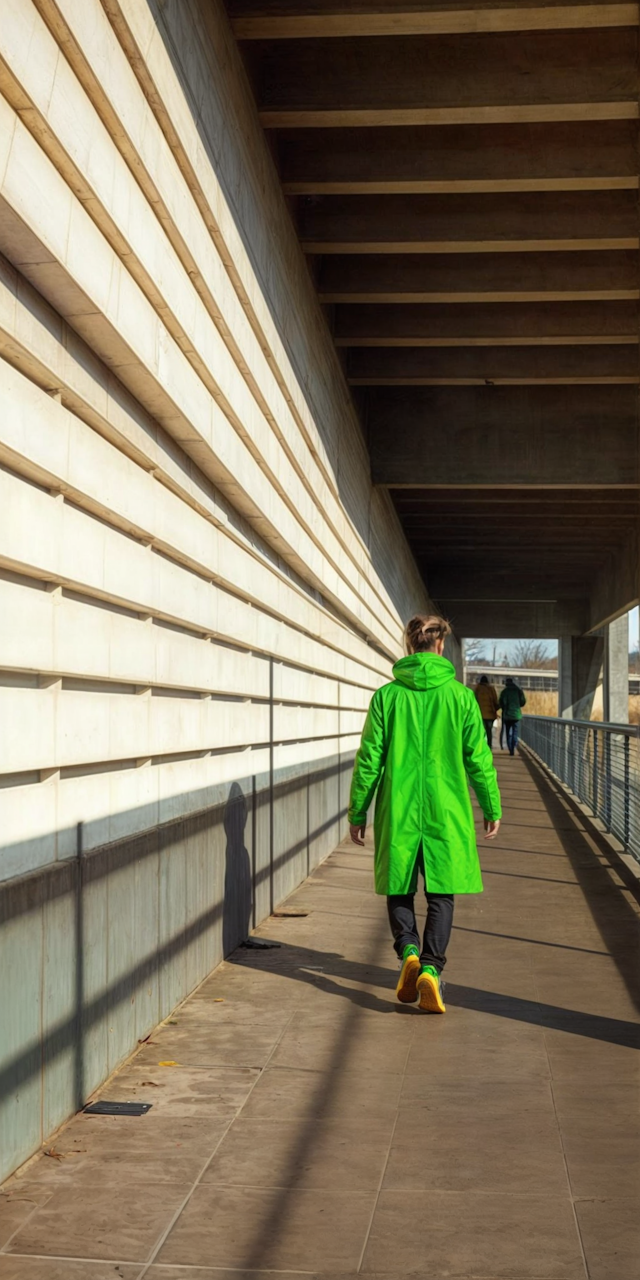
(508, 647)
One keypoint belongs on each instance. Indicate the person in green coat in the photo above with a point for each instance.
(422, 742)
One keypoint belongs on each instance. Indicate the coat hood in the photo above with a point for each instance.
(424, 671)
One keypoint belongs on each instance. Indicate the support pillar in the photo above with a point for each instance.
(580, 668)
(616, 677)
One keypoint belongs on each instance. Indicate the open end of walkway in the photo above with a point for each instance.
(303, 1123)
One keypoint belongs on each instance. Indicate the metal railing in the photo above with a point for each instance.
(599, 763)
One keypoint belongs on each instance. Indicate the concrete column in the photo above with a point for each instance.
(580, 664)
(565, 696)
(616, 671)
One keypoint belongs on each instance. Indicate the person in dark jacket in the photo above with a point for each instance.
(511, 702)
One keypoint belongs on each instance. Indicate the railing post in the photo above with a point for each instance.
(607, 781)
(595, 773)
(626, 792)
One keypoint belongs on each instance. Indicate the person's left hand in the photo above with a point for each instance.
(357, 834)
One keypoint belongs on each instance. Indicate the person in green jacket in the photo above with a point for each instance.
(511, 702)
(423, 740)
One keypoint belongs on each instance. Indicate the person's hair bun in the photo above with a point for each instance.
(423, 631)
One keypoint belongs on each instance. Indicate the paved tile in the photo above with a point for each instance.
(611, 1235)
(113, 1217)
(18, 1202)
(26, 1268)
(365, 1047)
(284, 1094)
(490, 1134)
(600, 1124)
(460, 1235)
(472, 1044)
(332, 1154)
(284, 1229)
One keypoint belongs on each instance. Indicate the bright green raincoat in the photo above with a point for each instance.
(423, 738)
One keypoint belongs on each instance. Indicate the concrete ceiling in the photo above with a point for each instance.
(464, 183)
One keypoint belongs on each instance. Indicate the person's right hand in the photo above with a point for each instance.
(491, 829)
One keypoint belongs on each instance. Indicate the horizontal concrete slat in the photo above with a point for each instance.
(60, 729)
(291, 685)
(304, 722)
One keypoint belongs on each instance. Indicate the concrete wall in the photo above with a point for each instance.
(199, 589)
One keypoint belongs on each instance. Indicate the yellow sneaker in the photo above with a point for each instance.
(430, 991)
(406, 990)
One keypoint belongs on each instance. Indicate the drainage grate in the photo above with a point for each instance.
(117, 1108)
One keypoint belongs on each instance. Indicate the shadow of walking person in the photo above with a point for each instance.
(236, 919)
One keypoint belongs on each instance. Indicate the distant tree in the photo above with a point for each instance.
(474, 651)
(530, 653)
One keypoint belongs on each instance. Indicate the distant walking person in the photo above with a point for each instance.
(511, 702)
(422, 740)
(487, 700)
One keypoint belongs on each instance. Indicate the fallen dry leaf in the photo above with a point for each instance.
(169, 1063)
(151, 1083)
(54, 1155)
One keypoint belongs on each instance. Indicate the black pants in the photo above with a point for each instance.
(488, 728)
(437, 930)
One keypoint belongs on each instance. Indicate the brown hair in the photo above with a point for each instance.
(422, 633)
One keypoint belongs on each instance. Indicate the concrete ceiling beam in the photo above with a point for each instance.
(459, 158)
(564, 221)
(500, 365)
(395, 20)
(401, 117)
(469, 324)
(548, 436)
(555, 76)
(491, 277)
(514, 619)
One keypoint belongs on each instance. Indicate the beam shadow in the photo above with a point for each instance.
(519, 875)
(536, 942)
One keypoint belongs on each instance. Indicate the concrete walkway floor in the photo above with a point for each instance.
(304, 1123)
